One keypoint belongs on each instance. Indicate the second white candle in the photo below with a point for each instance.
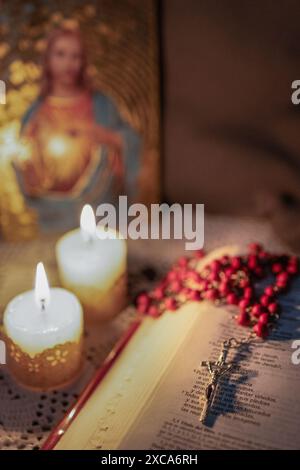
(94, 269)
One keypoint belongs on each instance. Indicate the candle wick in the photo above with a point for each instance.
(43, 305)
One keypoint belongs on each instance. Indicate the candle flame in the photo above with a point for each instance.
(42, 291)
(88, 223)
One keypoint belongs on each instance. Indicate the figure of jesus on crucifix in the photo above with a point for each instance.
(217, 369)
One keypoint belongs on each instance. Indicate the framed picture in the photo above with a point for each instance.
(80, 121)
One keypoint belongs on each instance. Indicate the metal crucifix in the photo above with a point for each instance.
(216, 369)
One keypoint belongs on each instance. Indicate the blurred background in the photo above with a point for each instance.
(231, 133)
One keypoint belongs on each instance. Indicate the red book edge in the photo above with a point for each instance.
(71, 414)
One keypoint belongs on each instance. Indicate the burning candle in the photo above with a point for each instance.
(43, 329)
(92, 263)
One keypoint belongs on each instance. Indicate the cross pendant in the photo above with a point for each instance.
(216, 369)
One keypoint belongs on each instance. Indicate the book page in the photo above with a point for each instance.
(256, 405)
(122, 394)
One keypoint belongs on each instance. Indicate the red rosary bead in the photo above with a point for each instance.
(260, 329)
(248, 292)
(199, 254)
(228, 273)
(236, 262)
(153, 311)
(244, 283)
(277, 268)
(194, 295)
(232, 299)
(213, 276)
(252, 262)
(224, 288)
(269, 291)
(215, 265)
(282, 277)
(175, 286)
(263, 319)
(255, 247)
(263, 255)
(170, 303)
(273, 308)
(292, 269)
(183, 261)
(256, 310)
(211, 294)
(280, 285)
(230, 279)
(224, 259)
(243, 319)
(158, 293)
(142, 308)
(265, 300)
(244, 303)
(172, 275)
(143, 299)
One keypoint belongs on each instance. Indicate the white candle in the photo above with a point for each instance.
(44, 329)
(92, 263)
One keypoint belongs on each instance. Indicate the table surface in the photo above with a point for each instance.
(27, 418)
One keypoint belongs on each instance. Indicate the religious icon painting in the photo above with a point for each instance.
(80, 123)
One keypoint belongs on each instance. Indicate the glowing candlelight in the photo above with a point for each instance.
(88, 223)
(41, 291)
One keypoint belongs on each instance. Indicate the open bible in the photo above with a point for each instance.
(150, 391)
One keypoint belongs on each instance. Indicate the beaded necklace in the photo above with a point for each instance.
(229, 280)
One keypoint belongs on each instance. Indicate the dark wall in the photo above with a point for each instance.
(232, 135)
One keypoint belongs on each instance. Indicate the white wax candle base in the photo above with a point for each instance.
(34, 330)
(95, 272)
(44, 344)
